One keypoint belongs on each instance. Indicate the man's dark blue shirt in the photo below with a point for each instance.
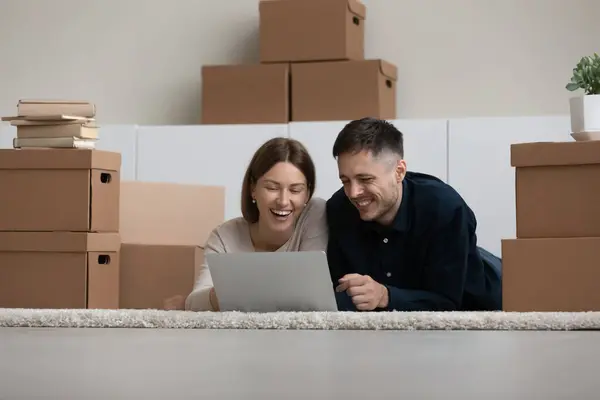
(428, 257)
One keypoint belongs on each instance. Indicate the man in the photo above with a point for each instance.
(402, 241)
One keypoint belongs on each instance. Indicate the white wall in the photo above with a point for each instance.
(140, 61)
(471, 154)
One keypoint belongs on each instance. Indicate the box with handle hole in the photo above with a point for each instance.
(59, 270)
(47, 190)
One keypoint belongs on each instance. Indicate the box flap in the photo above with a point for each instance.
(388, 70)
(357, 8)
(554, 153)
(59, 242)
(59, 159)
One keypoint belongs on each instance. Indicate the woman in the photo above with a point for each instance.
(279, 213)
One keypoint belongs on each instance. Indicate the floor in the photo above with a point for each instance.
(245, 364)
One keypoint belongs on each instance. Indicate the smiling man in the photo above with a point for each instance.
(402, 240)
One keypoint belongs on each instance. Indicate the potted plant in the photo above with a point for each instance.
(585, 109)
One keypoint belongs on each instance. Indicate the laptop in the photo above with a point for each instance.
(272, 281)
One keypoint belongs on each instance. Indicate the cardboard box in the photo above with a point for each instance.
(245, 94)
(545, 275)
(59, 190)
(59, 270)
(557, 190)
(153, 273)
(169, 213)
(311, 30)
(164, 227)
(343, 90)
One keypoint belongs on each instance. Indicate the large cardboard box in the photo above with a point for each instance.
(153, 273)
(557, 189)
(343, 90)
(59, 270)
(545, 275)
(311, 30)
(59, 190)
(164, 227)
(245, 94)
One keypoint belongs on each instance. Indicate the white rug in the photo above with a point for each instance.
(292, 320)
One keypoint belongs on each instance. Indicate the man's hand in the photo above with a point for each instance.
(366, 293)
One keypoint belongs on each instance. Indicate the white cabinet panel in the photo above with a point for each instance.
(480, 170)
(202, 154)
(120, 139)
(7, 134)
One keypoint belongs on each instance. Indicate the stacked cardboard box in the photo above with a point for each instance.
(59, 212)
(54, 124)
(312, 67)
(163, 228)
(553, 264)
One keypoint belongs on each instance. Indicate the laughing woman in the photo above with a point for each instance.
(279, 213)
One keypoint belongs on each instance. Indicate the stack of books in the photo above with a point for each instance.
(55, 124)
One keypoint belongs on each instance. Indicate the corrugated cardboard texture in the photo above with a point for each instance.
(551, 275)
(245, 94)
(557, 190)
(343, 90)
(311, 30)
(59, 270)
(152, 273)
(168, 213)
(59, 190)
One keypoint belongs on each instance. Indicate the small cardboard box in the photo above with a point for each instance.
(545, 275)
(557, 191)
(311, 30)
(59, 190)
(343, 90)
(164, 227)
(59, 270)
(245, 94)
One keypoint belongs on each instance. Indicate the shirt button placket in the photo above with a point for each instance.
(388, 274)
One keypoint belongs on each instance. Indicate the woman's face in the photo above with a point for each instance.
(280, 195)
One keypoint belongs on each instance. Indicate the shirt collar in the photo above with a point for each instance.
(401, 220)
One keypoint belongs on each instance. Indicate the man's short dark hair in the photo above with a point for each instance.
(369, 134)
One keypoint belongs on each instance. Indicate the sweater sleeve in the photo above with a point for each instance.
(314, 232)
(199, 299)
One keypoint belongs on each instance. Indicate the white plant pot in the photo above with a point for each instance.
(585, 113)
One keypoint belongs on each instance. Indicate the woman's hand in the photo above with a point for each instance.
(214, 302)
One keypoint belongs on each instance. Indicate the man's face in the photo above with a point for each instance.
(373, 184)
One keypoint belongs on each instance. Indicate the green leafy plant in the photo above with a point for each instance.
(586, 75)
